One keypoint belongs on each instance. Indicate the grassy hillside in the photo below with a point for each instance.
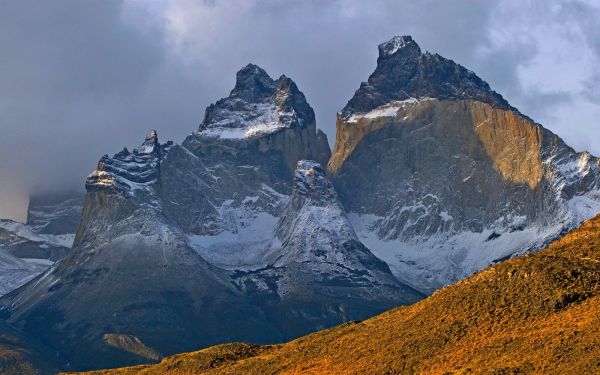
(538, 313)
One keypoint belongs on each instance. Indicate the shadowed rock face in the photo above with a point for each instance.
(439, 172)
(323, 151)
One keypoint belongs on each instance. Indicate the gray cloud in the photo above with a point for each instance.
(85, 78)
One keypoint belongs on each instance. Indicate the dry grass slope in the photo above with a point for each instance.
(538, 313)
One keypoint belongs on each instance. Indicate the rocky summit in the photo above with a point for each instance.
(232, 235)
(442, 177)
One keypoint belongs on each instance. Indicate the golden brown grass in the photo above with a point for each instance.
(538, 313)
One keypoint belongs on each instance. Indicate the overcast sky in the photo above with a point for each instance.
(82, 78)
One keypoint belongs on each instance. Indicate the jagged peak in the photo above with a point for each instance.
(130, 170)
(253, 84)
(404, 72)
(258, 105)
(150, 144)
(311, 181)
(396, 44)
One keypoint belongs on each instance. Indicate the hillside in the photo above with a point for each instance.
(534, 313)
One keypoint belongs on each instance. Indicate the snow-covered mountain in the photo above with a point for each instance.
(441, 176)
(183, 246)
(316, 259)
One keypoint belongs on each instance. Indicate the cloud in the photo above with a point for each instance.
(81, 79)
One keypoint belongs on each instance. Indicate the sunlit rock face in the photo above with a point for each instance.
(441, 176)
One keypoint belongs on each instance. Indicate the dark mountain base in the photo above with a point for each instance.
(538, 313)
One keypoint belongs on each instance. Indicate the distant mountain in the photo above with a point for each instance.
(536, 313)
(442, 177)
(224, 237)
(15, 272)
(30, 248)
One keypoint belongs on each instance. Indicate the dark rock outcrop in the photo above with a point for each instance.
(404, 72)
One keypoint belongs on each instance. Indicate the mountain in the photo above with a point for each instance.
(317, 265)
(537, 313)
(442, 177)
(52, 220)
(225, 237)
(30, 248)
(15, 272)
(130, 272)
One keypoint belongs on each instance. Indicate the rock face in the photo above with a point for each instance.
(184, 246)
(323, 151)
(441, 176)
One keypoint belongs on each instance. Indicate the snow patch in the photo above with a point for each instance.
(259, 119)
(244, 247)
(390, 109)
(428, 263)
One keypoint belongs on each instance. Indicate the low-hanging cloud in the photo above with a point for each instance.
(81, 79)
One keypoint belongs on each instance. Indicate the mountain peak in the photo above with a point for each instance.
(396, 44)
(257, 106)
(310, 180)
(253, 84)
(150, 143)
(404, 72)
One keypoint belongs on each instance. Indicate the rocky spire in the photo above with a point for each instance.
(404, 72)
(399, 44)
(257, 105)
(127, 171)
(150, 143)
(253, 84)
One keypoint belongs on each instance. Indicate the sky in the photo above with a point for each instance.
(83, 78)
